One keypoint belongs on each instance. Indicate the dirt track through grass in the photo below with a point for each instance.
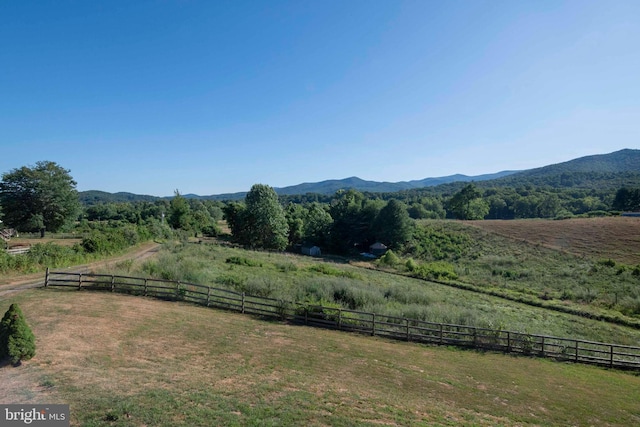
(122, 360)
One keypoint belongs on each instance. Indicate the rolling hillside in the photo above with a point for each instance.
(611, 170)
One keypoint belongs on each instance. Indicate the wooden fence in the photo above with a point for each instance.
(19, 250)
(561, 349)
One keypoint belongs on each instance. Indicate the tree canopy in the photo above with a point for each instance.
(468, 203)
(393, 224)
(39, 197)
(261, 221)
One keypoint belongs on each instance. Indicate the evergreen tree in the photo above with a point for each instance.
(16, 338)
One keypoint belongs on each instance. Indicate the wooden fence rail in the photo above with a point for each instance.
(562, 349)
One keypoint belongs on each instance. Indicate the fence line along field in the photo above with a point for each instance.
(123, 360)
(617, 238)
(562, 349)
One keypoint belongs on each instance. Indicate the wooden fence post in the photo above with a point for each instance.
(113, 283)
(508, 342)
(408, 335)
(208, 295)
(46, 278)
(373, 324)
(339, 318)
(243, 303)
(80, 281)
(542, 345)
(145, 287)
(441, 327)
(611, 357)
(576, 351)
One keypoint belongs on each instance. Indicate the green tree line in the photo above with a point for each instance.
(43, 197)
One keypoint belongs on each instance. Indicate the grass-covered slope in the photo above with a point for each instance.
(130, 361)
(336, 282)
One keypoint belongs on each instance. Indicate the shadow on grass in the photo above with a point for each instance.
(7, 362)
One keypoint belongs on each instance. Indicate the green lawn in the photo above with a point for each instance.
(131, 361)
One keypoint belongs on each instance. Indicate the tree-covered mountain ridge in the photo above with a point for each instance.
(611, 170)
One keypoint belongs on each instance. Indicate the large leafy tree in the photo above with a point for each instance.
(393, 224)
(627, 199)
(234, 214)
(468, 203)
(353, 216)
(317, 224)
(295, 215)
(40, 197)
(179, 212)
(261, 221)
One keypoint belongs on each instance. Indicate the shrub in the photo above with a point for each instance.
(586, 295)
(211, 231)
(354, 297)
(410, 265)
(286, 267)
(607, 262)
(231, 281)
(331, 271)
(258, 287)
(237, 260)
(389, 259)
(322, 308)
(52, 255)
(16, 338)
(439, 270)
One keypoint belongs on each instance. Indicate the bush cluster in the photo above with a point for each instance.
(237, 260)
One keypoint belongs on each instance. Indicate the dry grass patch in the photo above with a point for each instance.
(122, 360)
(617, 238)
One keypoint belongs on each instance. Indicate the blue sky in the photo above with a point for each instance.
(210, 97)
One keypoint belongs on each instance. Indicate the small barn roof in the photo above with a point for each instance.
(378, 245)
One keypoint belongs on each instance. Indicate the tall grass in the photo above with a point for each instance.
(304, 279)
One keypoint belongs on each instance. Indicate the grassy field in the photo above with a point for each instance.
(617, 238)
(299, 278)
(130, 361)
(511, 258)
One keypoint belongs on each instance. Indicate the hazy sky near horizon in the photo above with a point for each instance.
(210, 97)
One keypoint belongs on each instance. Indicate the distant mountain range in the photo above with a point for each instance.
(620, 168)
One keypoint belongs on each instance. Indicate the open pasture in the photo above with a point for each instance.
(617, 238)
(130, 361)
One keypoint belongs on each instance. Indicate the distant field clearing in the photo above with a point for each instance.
(615, 237)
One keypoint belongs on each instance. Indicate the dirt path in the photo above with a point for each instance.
(18, 283)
